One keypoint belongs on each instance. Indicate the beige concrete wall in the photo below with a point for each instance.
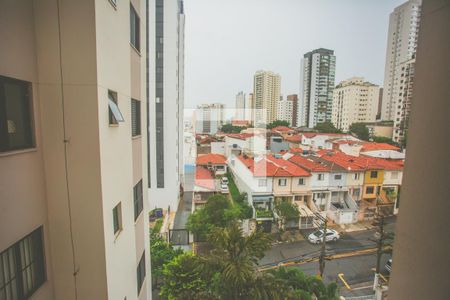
(421, 261)
(296, 189)
(72, 174)
(23, 206)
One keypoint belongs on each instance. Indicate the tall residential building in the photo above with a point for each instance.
(209, 118)
(403, 31)
(240, 107)
(266, 93)
(287, 109)
(294, 99)
(249, 107)
(73, 164)
(316, 100)
(402, 109)
(354, 101)
(166, 108)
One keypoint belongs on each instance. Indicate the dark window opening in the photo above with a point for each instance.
(16, 130)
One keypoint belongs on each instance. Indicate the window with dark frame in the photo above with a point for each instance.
(138, 199)
(135, 117)
(373, 174)
(16, 128)
(282, 182)
(117, 218)
(22, 267)
(115, 115)
(135, 29)
(369, 190)
(301, 181)
(140, 272)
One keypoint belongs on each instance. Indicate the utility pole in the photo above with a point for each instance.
(380, 242)
(324, 225)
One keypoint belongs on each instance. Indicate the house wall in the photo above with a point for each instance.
(392, 177)
(319, 184)
(218, 147)
(229, 141)
(245, 180)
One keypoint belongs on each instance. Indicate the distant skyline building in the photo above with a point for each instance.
(317, 85)
(209, 118)
(240, 106)
(266, 93)
(402, 109)
(166, 101)
(354, 101)
(403, 31)
(248, 107)
(294, 99)
(287, 108)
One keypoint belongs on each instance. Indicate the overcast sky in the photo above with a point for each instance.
(227, 41)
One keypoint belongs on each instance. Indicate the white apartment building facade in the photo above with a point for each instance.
(73, 151)
(317, 85)
(403, 31)
(354, 101)
(209, 118)
(402, 109)
(285, 109)
(166, 108)
(266, 93)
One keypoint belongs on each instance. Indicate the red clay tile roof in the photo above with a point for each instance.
(240, 122)
(310, 164)
(271, 166)
(295, 150)
(296, 138)
(211, 158)
(313, 134)
(204, 178)
(361, 162)
(378, 146)
(240, 136)
(282, 128)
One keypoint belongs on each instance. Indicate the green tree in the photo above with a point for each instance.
(383, 139)
(184, 279)
(306, 286)
(228, 128)
(287, 212)
(237, 257)
(326, 127)
(277, 123)
(217, 212)
(162, 252)
(360, 130)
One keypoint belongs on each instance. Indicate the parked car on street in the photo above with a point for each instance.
(317, 236)
(388, 265)
(224, 189)
(224, 180)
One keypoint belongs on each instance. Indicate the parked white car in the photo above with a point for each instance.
(224, 181)
(388, 265)
(224, 189)
(317, 236)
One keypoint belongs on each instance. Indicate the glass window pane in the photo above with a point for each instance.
(115, 110)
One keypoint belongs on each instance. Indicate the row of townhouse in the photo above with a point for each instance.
(344, 188)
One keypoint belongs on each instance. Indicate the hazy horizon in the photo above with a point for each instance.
(228, 41)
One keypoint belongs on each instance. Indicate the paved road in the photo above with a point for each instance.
(357, 272)
(297, 250)
(357, 268)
